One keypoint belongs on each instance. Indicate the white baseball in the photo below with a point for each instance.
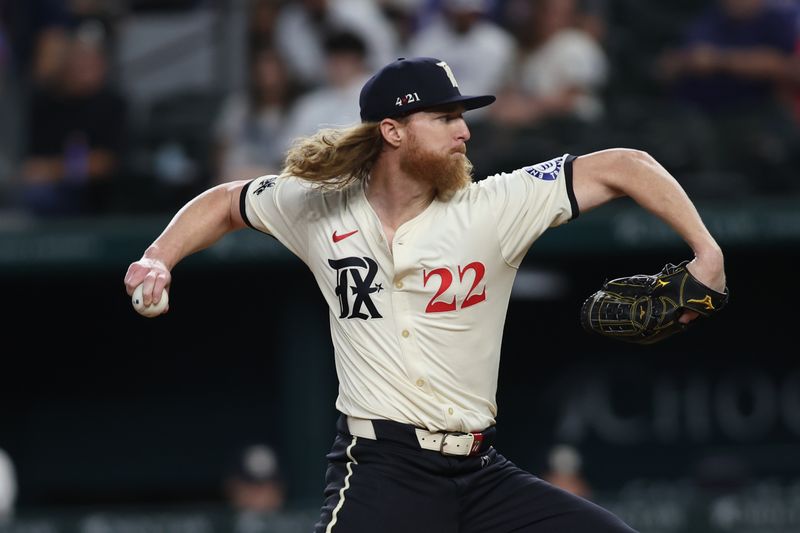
(153, 309)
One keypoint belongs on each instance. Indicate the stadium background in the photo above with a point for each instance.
(119, 423)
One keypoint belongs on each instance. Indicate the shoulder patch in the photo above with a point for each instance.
(547, 171)
(265, 183)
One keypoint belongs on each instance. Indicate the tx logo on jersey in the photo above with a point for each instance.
(360, 271)
(343, 236)
(266, 183)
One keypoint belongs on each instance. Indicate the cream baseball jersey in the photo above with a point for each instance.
(417, 328)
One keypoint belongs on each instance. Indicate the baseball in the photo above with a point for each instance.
(151, 310)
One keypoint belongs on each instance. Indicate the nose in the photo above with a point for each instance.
(463, 133)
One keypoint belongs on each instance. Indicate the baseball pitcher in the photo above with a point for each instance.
(416, 262)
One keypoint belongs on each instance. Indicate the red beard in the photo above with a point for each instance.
(447, 173)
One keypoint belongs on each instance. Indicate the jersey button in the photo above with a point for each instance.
(399, 284)
(450, 411)
(420, 382)
(405, 333)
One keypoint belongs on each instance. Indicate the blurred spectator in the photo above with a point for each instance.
(792, 70)
(564, 470)
(732, 55)
(793, 75)
(254, 482)
(561, 70)
(404, 16)
(732, 66)
(37, 37)
(106, 12)
(250, 128)
(480, 51)
(5, 48)
(8, 487)
(8, 105)
(262, 22)
(37, 33)
(593, 18)
(33, 36)
(303, 25)
(77, 127)
(335, 104)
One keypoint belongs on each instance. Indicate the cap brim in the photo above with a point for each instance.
(469, 102)
(476, 102)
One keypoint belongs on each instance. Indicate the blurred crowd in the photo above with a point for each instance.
(103, 112)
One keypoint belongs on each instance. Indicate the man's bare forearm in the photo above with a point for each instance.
(609, 174)
(199, 224)
(656, 190)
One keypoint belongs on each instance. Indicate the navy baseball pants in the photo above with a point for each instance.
(391, 485)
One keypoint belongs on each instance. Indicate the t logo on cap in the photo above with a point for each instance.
(449, 72)
(417, 83)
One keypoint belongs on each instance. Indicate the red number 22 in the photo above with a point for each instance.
(446, 278)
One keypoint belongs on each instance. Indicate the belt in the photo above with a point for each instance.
(445, 442)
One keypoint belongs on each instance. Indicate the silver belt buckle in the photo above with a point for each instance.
(455, 434)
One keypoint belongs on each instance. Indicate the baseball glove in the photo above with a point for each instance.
(644, 309)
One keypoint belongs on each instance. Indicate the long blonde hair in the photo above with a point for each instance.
(335, 158)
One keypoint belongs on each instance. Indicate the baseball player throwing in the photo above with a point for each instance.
(416, 262)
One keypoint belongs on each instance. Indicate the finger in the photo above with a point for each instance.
(133, 277)
(147, 287)
(161, 282)
(688, 316)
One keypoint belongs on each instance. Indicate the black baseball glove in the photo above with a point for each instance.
(644, 309)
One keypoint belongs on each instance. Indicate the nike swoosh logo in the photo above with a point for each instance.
(337, 238)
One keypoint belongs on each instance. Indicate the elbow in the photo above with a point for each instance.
(631, 157)
(632, 162)
(644, 158)
(628, 168)
(614, 173)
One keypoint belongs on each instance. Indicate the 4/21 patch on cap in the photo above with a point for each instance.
(547, 171)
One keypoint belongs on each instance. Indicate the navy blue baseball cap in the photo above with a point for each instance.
(408, 85)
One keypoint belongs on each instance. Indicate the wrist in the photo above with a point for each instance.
(708, 267)
(710, 254)
(159, 254)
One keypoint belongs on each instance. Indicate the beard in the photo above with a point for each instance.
(446, 173)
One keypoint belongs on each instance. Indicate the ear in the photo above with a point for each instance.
(393, 131)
